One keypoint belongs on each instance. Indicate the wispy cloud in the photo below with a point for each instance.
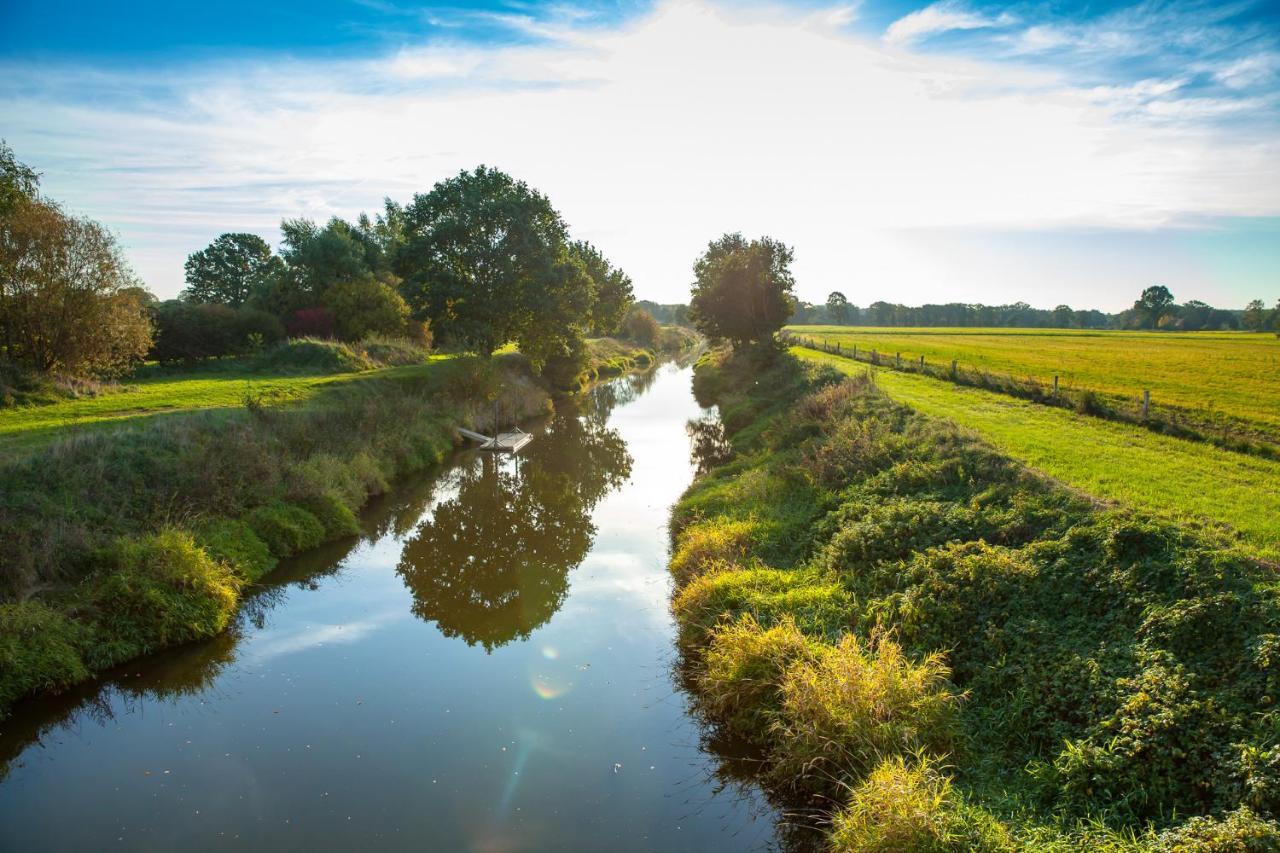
(939, 18)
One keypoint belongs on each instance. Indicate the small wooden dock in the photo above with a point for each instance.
(503, 442)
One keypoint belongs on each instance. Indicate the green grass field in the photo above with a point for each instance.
(1236, 374)
(24, 427)
(1113, 461)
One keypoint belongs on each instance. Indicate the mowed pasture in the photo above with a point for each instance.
(27, 427)
(1120, 462)
(1212, 374)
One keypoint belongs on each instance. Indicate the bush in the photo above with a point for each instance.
(639, 326)
(364, 306)
(702, 544)
(393, 351)
(310, 355)
(191, 331)
(311, 323)
(287, 529)
(908, 806)
(234, 542)
(335, 517)
(162, 590)
(740, 679)
(39, 651)
(1240, 831)
(855, 703)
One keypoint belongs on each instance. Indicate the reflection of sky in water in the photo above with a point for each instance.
(342, 722)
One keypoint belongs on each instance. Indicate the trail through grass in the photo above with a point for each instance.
(1113, 461)
(1227, 373)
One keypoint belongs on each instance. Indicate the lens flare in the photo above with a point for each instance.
(550, 686)
(550, 652)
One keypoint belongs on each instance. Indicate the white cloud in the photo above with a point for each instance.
(652, 138)
(939, 18)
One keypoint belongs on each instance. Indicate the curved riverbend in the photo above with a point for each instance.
(488, 668)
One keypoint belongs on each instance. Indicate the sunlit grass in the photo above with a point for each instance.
(1113, 461)
(1229, 373)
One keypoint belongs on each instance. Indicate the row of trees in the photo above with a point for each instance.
(1154, 309)
(482, 259)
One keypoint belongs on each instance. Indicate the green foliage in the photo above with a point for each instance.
(1120, 672)
(613, 296)
(480, 290)
(229, 270)
(286, 528)
(233, 542)
(161, 590)
(639, 326)
(742, 289)
(908, 806)
(312, 356)
(365, 306)
(190, 331)
(1153, 303)
(335, 517)
(39, 651)
(397, 351)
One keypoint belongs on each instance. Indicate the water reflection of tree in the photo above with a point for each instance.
(492, 563)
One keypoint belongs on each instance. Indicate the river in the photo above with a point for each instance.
(490, 667)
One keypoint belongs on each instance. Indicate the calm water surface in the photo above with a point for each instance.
(489, 668)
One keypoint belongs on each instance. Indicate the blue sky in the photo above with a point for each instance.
(1049, 152)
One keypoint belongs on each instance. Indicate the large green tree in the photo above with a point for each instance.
(1153, 303)
(229, 269)
(838, 307)
(613, 294)
(742, 289)
(1255, 316)
(485, 259)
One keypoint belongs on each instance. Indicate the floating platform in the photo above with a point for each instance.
(504, 442)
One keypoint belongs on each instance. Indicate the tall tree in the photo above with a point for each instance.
(485, 259)
(1153, 303)
(838, 307)
(1255, 316)
(613, 294)
(742, 289)
(229, 269)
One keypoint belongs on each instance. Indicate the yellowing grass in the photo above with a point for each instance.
(1106, 459)
(1230, 373)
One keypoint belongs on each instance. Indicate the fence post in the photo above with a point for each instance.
(953, 368)
(1055, 386)
(855, 352)
(898, 360)
(837, 347)
(922, 362)
(875, 357)
(1146, 402)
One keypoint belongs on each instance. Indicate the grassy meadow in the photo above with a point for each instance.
(1118, 462)
(1217, 375)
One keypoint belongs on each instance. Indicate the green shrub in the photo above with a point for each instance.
(856, 702)
(700, 545)
(740, 678)
(393, 351)
(286, 528)
(312, 355)
(234, 542)
(335, 517)
(159, 591)
(39, 651)
(1240, 831)
(908, 806)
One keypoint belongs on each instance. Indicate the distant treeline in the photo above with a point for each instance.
(667, 315)
(1155, 308)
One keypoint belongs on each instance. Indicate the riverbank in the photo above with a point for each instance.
(937, 649)
(117, 543)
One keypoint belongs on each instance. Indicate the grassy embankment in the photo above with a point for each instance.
(118, 542)
(1185, 481)
(1218, 386)
(943, 650)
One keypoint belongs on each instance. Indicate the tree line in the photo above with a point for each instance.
(479, 261)
(1155, 308)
